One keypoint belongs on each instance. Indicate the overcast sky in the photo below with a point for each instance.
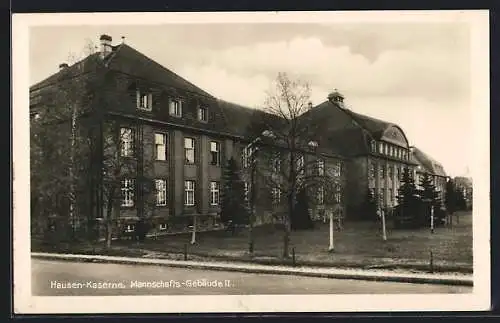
(413, 74)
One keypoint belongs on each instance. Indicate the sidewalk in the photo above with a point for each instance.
(337, 273)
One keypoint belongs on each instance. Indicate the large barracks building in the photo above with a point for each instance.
(181, 136)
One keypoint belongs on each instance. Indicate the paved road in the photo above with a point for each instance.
(50, 277)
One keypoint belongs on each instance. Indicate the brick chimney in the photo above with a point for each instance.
(62, 66)
(105, 45)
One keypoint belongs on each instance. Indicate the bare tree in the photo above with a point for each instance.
(58, 141)
(289, 137)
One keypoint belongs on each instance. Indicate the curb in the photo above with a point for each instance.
(333, 273)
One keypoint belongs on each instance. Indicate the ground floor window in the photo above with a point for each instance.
(127, 189)
(214, 193)
(189, 193)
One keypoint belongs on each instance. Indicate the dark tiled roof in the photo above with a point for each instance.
(84, 66)
(428, 163)
(237, 117)
(375, 126)
(127, 60)
(347, 132)
(338, 129)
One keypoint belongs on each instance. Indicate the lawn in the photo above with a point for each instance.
(358, 243)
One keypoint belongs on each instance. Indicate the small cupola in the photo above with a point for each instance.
(106, 47)
(337, 98)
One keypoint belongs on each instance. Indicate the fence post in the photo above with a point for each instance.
(185, 251)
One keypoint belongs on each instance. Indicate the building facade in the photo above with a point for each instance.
(429, 166)
(164, 142)
(159, 144)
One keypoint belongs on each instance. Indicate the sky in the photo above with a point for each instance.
(416, 75)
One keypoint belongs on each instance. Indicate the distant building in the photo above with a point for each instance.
(464, 185)
(378, 151)
(427, 165)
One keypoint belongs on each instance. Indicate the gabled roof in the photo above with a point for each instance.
(126, 59)
(428, 164)
(84, 66)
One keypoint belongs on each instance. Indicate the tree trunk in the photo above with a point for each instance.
(109, 223)
(287, 226)
(193, 235)
(291, 205)
(286, 240)
(72, 216)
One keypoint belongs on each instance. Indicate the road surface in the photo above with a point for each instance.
(52, 278)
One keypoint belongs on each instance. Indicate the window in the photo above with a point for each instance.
(320, 198)
(371, 170)
(126, 142)
(203, 114)
(163, 227)
(144, 100)
(372, 193)
(337, 169)
(386, 149)
(161, 192)
(215, 153)
(380, 147)
(189, 193)
(246, 193)
(391, 197)
(404, 154)
(398, 173)
(275, 163)
(338, 194)
(189, 150)
(373, 146)
(245, 156)
(382, 172)
(214, 193)
(176, 108)
(276, 195)
(390, 172)
(161, 146)
(321, 167)
(127, 188)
